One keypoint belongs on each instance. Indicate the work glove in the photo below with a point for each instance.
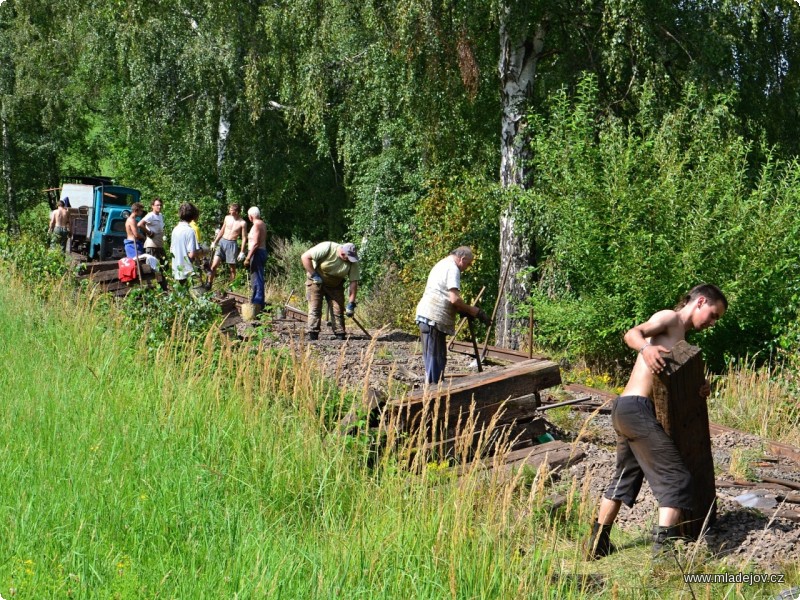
(315, 277)
(213, 246)
(241, 257)
(483, 317)
(350, 309)
(148, 233)
(246, 263)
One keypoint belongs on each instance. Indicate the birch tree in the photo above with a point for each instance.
(520, 51)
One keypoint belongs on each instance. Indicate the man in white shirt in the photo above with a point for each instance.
(436, 312)
(184, 247)
(152, 224)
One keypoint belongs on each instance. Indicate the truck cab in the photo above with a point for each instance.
(98, 210)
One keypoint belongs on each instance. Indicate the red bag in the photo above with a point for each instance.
(127, 269)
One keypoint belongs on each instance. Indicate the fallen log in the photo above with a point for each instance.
(776, 448)
(722, 483)
(783, 513)
(792, 485)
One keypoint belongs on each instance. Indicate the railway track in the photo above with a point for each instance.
(596, 398)
(766, 533)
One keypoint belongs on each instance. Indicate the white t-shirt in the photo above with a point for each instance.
(184, 241)
(155, 223)
(435, 307)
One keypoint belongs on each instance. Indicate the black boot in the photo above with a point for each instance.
(313, 336)
(340, 335)
(664, 538)
(599, 543)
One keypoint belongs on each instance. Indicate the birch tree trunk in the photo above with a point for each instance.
(223, 133)
(519, 55)
(11, 217)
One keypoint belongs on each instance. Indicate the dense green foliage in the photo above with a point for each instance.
(160, 315)
(345, 120)
(629, 216)
(33, 256)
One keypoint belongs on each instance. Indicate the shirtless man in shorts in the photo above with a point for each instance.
(134, 242)
(234, 228)
(644, 450)
(59, 226)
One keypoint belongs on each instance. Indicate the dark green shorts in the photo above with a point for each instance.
(644, 450)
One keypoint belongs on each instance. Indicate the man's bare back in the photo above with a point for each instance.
(59, 218)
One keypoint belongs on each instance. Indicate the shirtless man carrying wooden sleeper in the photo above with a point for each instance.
(644, 450)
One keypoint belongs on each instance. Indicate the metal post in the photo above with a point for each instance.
(530, 334)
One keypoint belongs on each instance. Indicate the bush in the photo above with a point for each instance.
(389, 303)
(160, 312)
(287, 266)
(462, 211)
(627, 218)
(33, 258)
(387, 193)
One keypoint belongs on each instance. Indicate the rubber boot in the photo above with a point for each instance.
(313, 336)
(664, 538)
(599, 543)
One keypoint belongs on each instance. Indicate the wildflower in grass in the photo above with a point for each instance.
(123, 564)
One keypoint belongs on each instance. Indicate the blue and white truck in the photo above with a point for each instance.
(97, 212)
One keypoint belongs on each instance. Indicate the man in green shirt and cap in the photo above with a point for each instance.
(327, 265)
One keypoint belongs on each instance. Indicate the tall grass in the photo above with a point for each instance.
(216, 474)
(210, 475)
(760, 400)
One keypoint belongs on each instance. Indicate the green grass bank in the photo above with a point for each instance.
(208, 471)
(208, 474)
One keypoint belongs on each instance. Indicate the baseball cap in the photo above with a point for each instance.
(350, 251)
